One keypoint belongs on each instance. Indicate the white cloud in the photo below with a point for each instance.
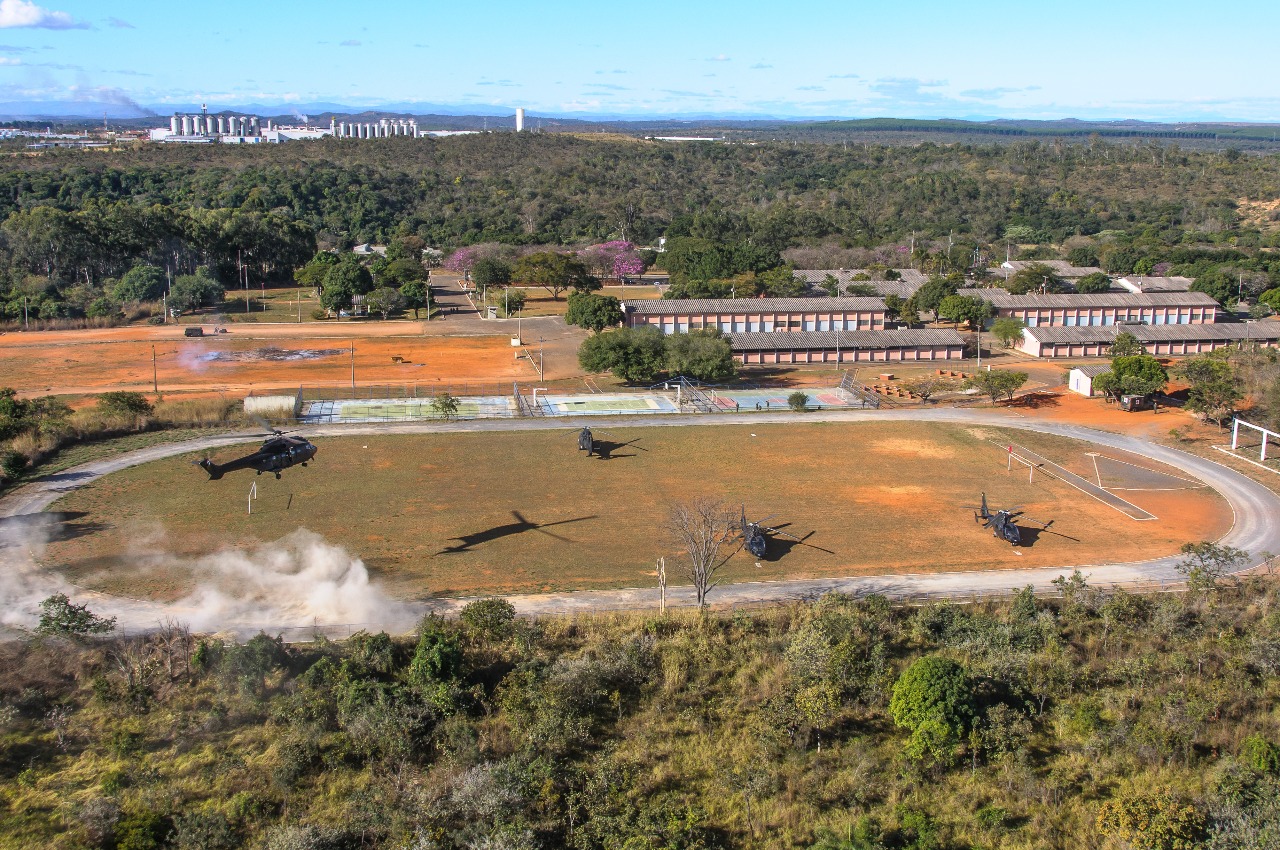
(351, 42)
(22, 13)
(719, 58)
(119, 24)
(8, 60)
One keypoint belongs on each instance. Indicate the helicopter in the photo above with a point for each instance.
(1002, 523)
(602, 449)
(755, 535)
(279, 452)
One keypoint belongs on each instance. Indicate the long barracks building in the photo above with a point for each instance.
(846, 346)
(1159, 340)
(756, 315)
(1102, 309)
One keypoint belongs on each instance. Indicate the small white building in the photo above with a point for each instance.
(1080, 379)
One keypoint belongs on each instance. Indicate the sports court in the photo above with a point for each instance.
(603, 404)
(403, 409)
(776, 399)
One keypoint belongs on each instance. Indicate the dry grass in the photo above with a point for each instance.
(437, 514)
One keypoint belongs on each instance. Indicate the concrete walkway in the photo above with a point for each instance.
(1255, 528)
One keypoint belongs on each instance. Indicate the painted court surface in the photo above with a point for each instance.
(402, 409)
(505, 512)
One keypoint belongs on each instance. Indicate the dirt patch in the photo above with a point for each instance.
(912, 448)
(270, 354)
(68, 363)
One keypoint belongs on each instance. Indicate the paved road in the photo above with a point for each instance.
(1255, 507)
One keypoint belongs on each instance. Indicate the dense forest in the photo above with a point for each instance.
(72, 220)
(1093, 719)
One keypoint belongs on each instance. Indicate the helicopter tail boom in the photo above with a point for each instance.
(215, 471)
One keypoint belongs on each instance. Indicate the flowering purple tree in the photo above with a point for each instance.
(462, 260)
(612, 259)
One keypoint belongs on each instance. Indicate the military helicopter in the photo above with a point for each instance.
(602, 449)
(1002, 523)
(755, 535)
(279, 452)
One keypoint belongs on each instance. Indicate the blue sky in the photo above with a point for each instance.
(1169, 61)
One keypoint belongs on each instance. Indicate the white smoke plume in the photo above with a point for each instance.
(297, 582)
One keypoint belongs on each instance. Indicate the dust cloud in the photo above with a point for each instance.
(296, 582)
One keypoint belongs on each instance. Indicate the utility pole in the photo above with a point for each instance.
(155, 378)
(353, 366)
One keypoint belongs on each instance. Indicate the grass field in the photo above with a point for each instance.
(441, 514)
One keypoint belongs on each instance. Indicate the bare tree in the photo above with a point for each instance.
(702, 528)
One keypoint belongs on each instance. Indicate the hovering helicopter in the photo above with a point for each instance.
(279, 452)
(1002, 523)
(755, 535)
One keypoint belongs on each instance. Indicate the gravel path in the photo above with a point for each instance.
(1255, 529)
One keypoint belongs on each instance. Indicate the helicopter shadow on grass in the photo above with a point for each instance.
(520, 526)
(47, 526)
(606, 449)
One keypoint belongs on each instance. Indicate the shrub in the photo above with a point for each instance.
(492, 618)
(798, 401)
(1260, 754)
(124, 404)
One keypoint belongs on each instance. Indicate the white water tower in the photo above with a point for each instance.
(519, 119)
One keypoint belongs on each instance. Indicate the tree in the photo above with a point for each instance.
(513, 301)
(1125, 345)
(1093, 283)
(1035, 277)
(385, 301)
(1204, 563)
(593, 312)
(444, 405)
(862, 290)
(1138, 374)
(933, 699)
(491, 271)
(893, 306)
(554, 273)
(342, 281)
(927, 386)
(399, 272)
(60, 616)
(1271, 298)
(190, 291)
(798, 401)
(1008, 330)
(140, 283)
(1213, 391)
(1152, 821)
(414, 293)
(997, 383)
(1083, 256)
(779, 283)
(965, 308)
(703, 354)
(701, 528)
(633, 354)
(312, 274)
(929, 296)
(121, 403)
(830, 285)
